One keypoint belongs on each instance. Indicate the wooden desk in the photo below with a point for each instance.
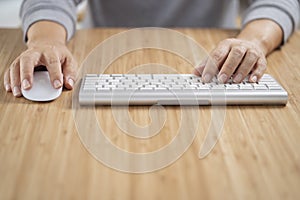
(257, 157)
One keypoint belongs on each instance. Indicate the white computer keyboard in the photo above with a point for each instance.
(176, 89)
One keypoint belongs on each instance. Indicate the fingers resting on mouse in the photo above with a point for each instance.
(55, 56)
(234, 58)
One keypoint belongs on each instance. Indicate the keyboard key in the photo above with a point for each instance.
(246, 87)
(232, 87)
(260, 87)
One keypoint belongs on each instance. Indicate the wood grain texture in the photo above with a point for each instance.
(257, 157)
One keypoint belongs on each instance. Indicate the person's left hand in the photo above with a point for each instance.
(234, 58)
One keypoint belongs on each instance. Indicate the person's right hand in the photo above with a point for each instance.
(54, 56)
(46, 47)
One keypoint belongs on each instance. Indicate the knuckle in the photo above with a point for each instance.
(14, 71)
(69, 67)
(26, 72)
(243, 73)
(230, 68)
(218, 55)
(52, 60)
(244, 70)
(238, 51)
(262, 61)
(229, 40)
(26, 66)
(260, 71)
(262, 64)
(14, 64)
(263, 68)
(15, 79)
(253, 55)
(70, 61)
(6, 75)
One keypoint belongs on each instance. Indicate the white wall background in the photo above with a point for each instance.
(9, 13)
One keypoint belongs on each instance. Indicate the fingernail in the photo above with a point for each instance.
(207, 78)
(254, 78)
(222, 78)
(16, 91)
(71, 82)
(238, 78)
(57, 84)
(25, 84)
(7, 87)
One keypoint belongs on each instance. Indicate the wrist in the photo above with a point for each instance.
(46, 32)
(264, 33)
(44, 42)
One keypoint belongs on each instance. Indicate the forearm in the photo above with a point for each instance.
(265, 33)
(46, 31)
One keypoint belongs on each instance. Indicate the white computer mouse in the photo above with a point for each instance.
(42, 89)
